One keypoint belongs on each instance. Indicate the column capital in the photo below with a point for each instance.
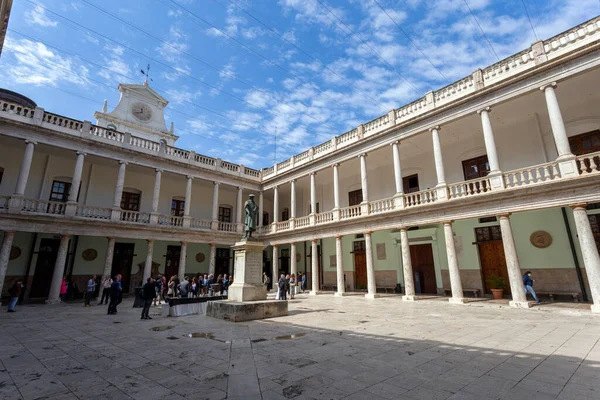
(368, 233)
(335, 165)
(275, 187)
(339, 236)
(395, 142)
(183, 242)
(292, 243)
(578, 206)
(447, 222)
(159, 170)
(486, 109)
(505, 215)
(189, 177)
(313, 174)
(123, 162)
(81, 153)
(150, 240)
(548, 85)
(33, 142)
(362, 155)
(435, 128)
(292, 181)
(66, 235)
(216, 183)
(212, 244)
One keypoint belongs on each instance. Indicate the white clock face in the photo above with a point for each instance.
(141, 112)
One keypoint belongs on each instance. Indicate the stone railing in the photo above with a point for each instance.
(350, 212)
(43, 206)
(177, 153)
(301, 222)
(589, 163)
(15, 109)
(4, 202)
(229, 166)
(108, 134)
(196, 223)
(170, 220)
(283, 225)
(135, 216)
(380, 206)
(93, 212)
(324, 217)
(469, 188)
(59, 120)
(423, 197)
(573, 39)
(227, 226)
(531, 175)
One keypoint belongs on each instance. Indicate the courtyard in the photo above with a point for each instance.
(327, 348)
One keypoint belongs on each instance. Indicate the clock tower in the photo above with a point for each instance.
(140, 112)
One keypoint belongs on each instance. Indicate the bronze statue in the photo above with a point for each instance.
(251, 218)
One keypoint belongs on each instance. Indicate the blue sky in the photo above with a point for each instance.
(253, 81)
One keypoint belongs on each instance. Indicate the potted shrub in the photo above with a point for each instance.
(497, 285)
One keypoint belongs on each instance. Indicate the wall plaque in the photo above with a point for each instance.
(200, 257)
(298, 257)
(15, 252)
(540, 239)
(89, 254)
(332, 261)
(381, 251)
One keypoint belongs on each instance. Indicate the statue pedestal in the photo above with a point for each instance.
(247, 296)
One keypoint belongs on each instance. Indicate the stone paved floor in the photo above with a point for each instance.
(327, 348)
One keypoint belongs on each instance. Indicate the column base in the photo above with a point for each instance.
(595, 308)
(314, 292)
(460, 300)
(372, 295)
(53, 301)
(519, 304)
(340, 294)
(409, 297)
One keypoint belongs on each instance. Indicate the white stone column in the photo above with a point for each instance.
(495, 175)
(364, 184)
(293, 199)
(275, 265)
(336, 187)
(314, 261)
(59, 270)
(116, 210)
(183, 258)
(260, 210)
(25, 168)
(409, 278)
(108, 257)
(442, 189)
(566, 159)
(188, 202)
(293, 264)
(156, 197)
(371, 280)
(275, 204)
(215, 207)
(589, 252)
(148, 263)
(399, 196)
(76, 181)
(239, 220)
(213, 257)
(313, 198)
(519, 299)
(7, 242)
(339, 267)
(453, 269)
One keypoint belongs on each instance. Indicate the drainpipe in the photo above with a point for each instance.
(574, 253)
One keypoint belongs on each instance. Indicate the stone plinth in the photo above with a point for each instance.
(247, 278)
(236, 311)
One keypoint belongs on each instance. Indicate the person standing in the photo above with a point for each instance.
(266, 280)
(158, 284)
(171, 292)
(282, 286)
(15, 293)
(303, 286)
(528, 284)
(184, 287)
(91, 288)
(292, 286)
(106, 283)
(115, 295)
(63, 289)
(149, 294)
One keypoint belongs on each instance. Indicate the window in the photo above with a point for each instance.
(584, 144)
(285, 214)
(60, 191)
(224, 214)
(477, 167)
(487, 219)
(355, 197)
(359, 246)
(130, 201)
(265, 219)
(410, 184)
(177, 208)
(487, 233)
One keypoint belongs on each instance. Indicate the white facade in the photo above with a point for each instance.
(520, 113)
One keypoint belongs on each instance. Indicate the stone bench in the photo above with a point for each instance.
(391, 289)
(552, 293)
(474, 292)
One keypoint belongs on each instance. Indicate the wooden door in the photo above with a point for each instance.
(493, 263)
(360, 265)
(222, 262)
(44, 267)
(421, 256)
(122, 262)
(172, 261)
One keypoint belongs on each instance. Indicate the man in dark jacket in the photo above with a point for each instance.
(15, 292)
(528, 284)
(148, 294)
(115, 295)
(283, 286)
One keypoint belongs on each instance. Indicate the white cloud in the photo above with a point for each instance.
(182, 96)
(227, 72)
(37, 16)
